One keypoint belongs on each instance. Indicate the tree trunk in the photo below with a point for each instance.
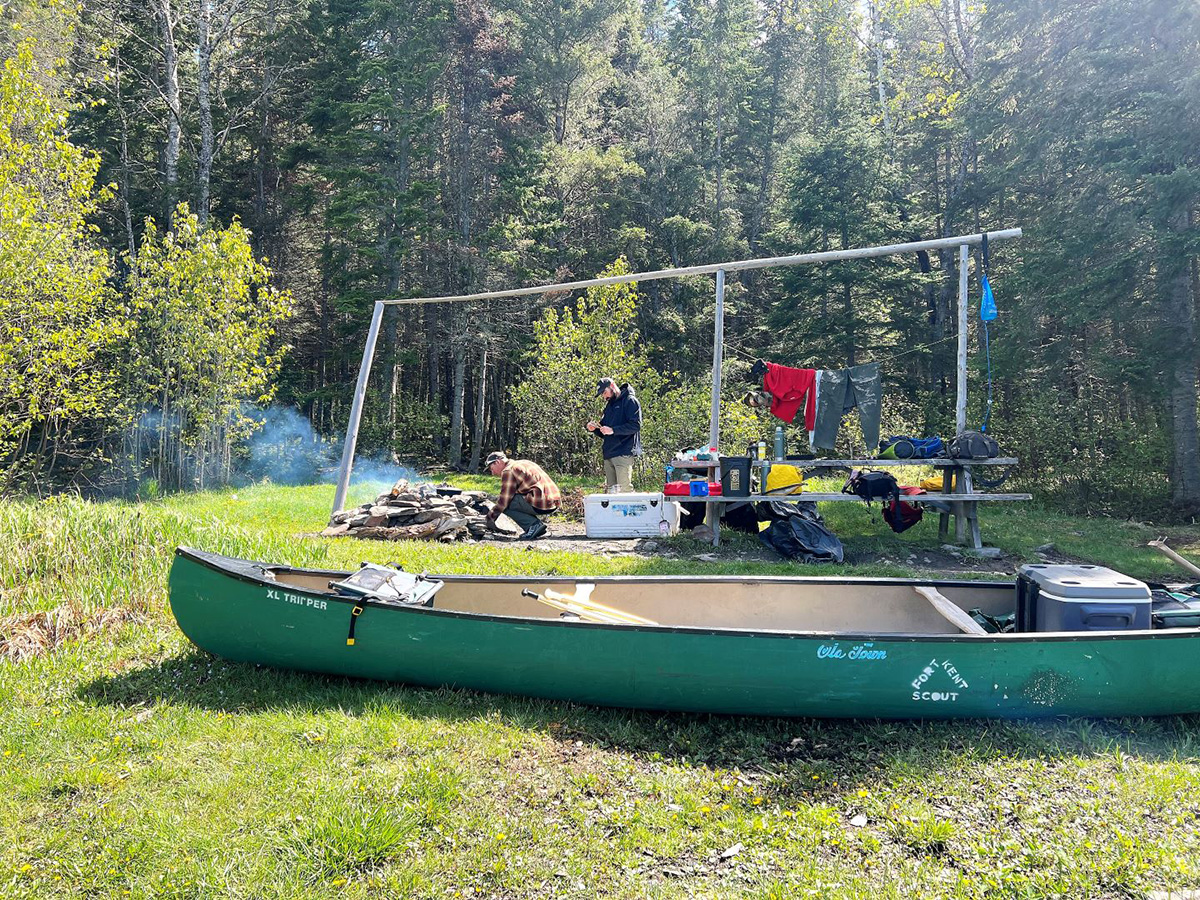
(435, 375)
(170, 88)
(720, 168)
(204, 50)
(1181, 322)
(123, 185)
(560, 115)
(877, 40)
(456, 405)
(760, 210)
(480, 425)
(268, 243)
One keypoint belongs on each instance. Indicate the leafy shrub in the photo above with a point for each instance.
(60, 322)
(206, 316)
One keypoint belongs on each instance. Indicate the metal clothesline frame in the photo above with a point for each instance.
(963, 242)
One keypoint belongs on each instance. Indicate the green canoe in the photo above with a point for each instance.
(824, 647)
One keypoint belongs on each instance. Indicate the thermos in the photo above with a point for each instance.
(762, 449)
(779, 443)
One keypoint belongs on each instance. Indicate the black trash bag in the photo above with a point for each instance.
(797, 537)
(740, 517)
(779, 510)
(691, 514)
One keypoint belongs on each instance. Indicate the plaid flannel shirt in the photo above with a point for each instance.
(521, 476)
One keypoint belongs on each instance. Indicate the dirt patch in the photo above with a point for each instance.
(572, 537)
(952, 561)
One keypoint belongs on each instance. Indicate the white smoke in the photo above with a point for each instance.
(286, 449)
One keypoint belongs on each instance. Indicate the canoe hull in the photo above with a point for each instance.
(225, 609)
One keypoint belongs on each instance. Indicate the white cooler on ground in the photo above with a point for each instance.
(630, 515)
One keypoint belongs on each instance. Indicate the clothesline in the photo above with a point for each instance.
(753, 358)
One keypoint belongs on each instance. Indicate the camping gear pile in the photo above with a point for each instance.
(424, 512)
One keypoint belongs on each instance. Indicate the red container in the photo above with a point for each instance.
(677, 489)
(714, 489)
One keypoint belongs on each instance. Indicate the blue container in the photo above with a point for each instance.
(699, 488)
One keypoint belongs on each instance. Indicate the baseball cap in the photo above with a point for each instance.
(494, 456)
(604, 383)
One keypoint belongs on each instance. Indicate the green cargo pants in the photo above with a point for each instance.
(619, 470)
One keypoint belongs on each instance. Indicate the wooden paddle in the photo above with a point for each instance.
(949, 611)
(1161, 544)
(580, 604)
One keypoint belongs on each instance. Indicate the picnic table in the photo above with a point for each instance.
(958, 498)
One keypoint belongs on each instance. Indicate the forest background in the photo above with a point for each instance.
(201, 200)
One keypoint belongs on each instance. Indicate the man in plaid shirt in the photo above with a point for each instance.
(527, 494)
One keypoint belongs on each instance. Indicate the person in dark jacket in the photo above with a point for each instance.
(620, 428)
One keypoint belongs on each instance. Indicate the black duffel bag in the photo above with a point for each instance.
(973, 445)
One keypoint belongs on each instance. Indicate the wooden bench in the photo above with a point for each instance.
(958, 498)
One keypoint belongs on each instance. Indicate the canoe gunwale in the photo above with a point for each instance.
(257, 573)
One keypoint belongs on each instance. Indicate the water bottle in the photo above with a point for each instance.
(779, 444)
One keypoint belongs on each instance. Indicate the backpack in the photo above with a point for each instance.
(900, 515)
(871, 485)
(910, 448)
(973, 445)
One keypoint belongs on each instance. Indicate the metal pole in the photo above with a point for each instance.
(713, 510)
(360, 391)
(735, 266)
(960, 399)
(714, 425)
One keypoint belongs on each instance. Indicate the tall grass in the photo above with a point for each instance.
(94, 556)
(100, 555)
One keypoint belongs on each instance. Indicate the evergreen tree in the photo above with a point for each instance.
(1094, 139)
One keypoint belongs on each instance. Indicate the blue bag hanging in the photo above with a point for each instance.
(987, 307)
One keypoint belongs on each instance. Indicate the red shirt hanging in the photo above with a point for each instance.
(789, 386)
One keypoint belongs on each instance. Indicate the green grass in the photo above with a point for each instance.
(133, 762)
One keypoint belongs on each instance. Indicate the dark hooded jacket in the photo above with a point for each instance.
(623, 415)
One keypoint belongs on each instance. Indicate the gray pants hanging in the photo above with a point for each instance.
(841, 390)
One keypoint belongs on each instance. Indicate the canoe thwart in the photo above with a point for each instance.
(949, 611)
